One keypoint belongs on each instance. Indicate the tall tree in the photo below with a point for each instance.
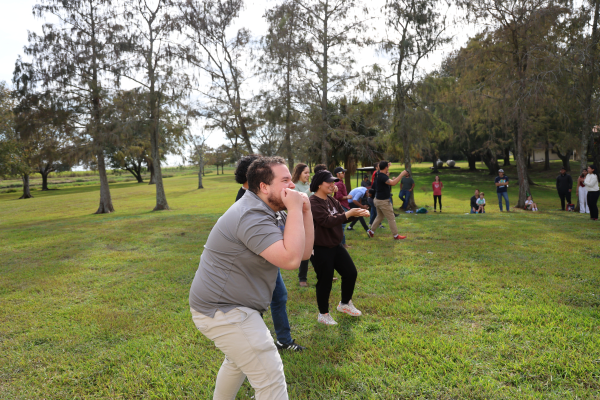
(152, 36)
(329, 28)
(79, 56)
(209, 48)
(415, 29)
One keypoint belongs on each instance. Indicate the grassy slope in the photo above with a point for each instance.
(469, 306)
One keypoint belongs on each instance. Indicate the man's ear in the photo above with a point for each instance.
(264, 188)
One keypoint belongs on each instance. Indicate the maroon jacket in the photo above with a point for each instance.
(341, 193)
(328, 217)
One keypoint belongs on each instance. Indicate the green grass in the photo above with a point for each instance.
(494, 306)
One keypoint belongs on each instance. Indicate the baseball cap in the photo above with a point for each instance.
(338, 170)
(501, 170)
(319, 178)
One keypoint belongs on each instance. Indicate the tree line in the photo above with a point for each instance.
(119, 84)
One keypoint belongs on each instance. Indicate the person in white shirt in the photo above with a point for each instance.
(591, 184)
(582, 193)
(530, 205)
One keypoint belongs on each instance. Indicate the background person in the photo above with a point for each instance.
(238, 270)
(300, 177)
(564, 185)
(502, 189)
(474, 205)
(530, 205)
(582, 193)
(355, 201)
(407, 185)
(366, 182)
(591, 184)
(437, 187)
(481, 203)
(372, 208)
(328, 254)
(382, 200)
(341, 195)
(240, 173)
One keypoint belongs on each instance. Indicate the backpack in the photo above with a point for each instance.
(421, 211)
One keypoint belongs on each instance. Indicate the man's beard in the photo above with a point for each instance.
(276, 202)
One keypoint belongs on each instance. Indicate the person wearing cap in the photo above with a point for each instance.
(342, 195)
(564, 185)
(328, 253)
(502, 189)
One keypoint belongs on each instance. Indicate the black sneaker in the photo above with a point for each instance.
(349, 228)
(292, 346)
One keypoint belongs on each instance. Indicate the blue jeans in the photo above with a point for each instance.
(373, 210)
(500, 196)
(404, 196)
(279, 312)
(344, 228)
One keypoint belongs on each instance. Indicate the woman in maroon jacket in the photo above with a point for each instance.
(328, 253)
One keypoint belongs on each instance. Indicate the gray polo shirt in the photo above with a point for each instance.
(231, 272)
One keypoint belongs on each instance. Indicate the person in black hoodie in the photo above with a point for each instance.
(328, 253)
(564, 185)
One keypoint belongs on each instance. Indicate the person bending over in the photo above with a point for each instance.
(328, 254)
(238, 271)
(355, 201)
(382, 200)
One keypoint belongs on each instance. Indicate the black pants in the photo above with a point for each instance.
(437, 197)
(303, 271)
(325, 261)
(564, 194)
(592, 199)
(361, 219)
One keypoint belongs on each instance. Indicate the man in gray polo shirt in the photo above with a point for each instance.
(238, 268)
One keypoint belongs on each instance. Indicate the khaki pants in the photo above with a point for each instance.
(249, 352)
(384, 210)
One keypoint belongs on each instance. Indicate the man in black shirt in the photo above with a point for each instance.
(382, 199)
(240, 174)
(564, 185)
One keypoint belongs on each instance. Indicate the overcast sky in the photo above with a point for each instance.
(16, 19)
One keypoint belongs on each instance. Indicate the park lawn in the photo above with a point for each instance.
(494, 306)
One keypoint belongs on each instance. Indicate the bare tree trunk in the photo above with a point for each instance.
(44, 179)
(565, 159)
(506, 157)
(529, 160)
(105, 206)
(151, 169)
(521, 165)
(26, 192)
(325, 76)
(547, 157)
(590, 88)
(200, 172)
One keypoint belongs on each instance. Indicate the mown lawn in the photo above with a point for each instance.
(494, 306)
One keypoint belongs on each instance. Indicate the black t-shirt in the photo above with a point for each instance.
(383, 189)
(474, 202)
(240, 193)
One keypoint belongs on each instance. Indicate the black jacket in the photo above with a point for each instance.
(564, 182)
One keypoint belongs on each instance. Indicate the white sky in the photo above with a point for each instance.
(16, 19)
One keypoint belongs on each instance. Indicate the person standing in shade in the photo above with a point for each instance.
(382, 200)
(328, 254)
(342, 196)
(474, 205)
(582, 193)
(238, 270)
(366, 182)
(407, 184)
(502, 189)
(564, 185)
(300, 177)
(240, 173)
(437, 187)
(591, 184)
(356, 196)
(278, 304)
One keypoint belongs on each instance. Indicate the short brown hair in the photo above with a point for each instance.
(481, 194)
(260, 171)
(298, 169)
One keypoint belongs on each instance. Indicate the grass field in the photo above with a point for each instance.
(494, 306)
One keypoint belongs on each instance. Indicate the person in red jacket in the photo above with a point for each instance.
(328, 253)
(342, 196)
(437, 187)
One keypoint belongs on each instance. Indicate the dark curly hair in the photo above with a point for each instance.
(242, 168)
(260, 171)
(319, 167)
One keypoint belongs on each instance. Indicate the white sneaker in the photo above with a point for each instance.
(349, 309)
(326, 319)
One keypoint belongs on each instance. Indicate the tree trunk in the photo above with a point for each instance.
(200, 171)
(528, 160)
(434, 170)
(590, 87)
(26, 192)
(161, 197)
(565, 159)
(44, 179)
(506, 157)
(547, 157)
(490, 162)
(325, 82)
(217, 169)
(348, 165)
(521, 165)
(151, 169)
(105, 206)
